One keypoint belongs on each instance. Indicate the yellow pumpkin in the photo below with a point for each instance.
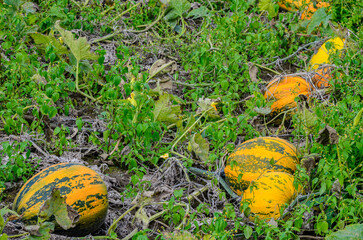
(285, 90)
(257, 156)
(269, 193)
(322, 55)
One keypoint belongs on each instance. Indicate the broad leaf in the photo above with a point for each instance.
(200, 147)
(56, 205)
(44, 40)
(269, 6)
(199, 13)
(41, 231)
(80, 48)
(180, 6)
(164, 111)
(318, 18)
(350, 232)
(206, 104)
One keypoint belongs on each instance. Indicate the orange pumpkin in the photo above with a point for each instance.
(285, 90)
(269, 193)
(83, 188)
(307, 5)
(322, 77)
(257, 156)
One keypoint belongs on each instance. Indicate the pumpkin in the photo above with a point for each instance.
(307, 5)
(285, 90)
(257, 156)
(269, 193)
(322, 55)
(292, 5)
(322, 77)
(83, 188)
(311, 9)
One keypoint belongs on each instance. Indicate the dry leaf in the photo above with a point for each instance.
(328, 135)
(253, 70)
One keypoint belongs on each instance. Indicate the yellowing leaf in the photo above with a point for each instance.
(56, 205)
(269, 6)
(200, 147)
(80, 48)
(164, 111)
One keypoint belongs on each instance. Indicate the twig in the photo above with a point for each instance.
(290, 56)
(161, 14)
(124, 12)
(269, 69)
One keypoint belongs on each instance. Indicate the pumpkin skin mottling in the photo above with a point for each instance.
(269, 193)
(285, 90)
(84, 189)
(257, 156)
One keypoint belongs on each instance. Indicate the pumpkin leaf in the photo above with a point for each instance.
(41, 231)
(80, 48)
(56, 205)
(263, 110)
(351, 232)
(3, 212)
(206, 104)
(318, 18)
(180, 6)
(308, 119)
(200, 146)
(164, 111)
(44, 40)
(269, 6)
(199, 13)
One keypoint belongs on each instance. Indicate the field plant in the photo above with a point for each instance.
(158, 94)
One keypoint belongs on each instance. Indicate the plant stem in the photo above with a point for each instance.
(188, 129)
(114, 224)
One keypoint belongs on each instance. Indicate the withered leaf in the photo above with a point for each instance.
(328, 135)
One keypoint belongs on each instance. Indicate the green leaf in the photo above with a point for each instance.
(269, 6)
(318, 18)
(323, 227)
(357, 118)
(80, 48)
(199, 13)
(44, 41)
(3, 237)
(41, 231)
(350, 232)
(200, 147)
(4, 211)
(164, 111)
(180, 6)
(56, 205)
(247, 232)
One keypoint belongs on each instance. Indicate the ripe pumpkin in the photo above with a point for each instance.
(322, 77)
(322, 55)
(269, 193)
(84, 189)
(311, 9)
(307, 5)
(257, 156)
(285, 90)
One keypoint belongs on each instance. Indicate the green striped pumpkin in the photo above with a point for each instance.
(84, 189)
(269, 193)
(257, 156)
